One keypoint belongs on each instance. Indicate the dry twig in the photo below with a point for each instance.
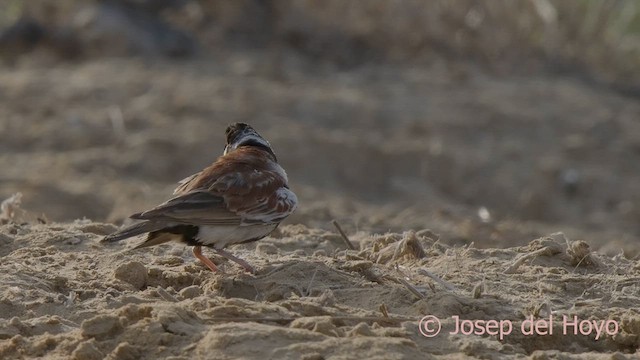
(410, 287)
(344, 236)
(445, 284)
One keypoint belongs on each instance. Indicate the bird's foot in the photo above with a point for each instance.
(197, 252)
(236, 260)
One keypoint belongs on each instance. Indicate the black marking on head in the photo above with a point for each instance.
(260, 145)
(235, 131)
(241, 134)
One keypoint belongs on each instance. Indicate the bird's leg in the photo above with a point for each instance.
(197, 252)
(236, 260)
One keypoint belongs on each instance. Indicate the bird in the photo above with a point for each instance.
(241, 197)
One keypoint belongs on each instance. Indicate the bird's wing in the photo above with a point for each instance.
(266, 200)
(244, 189)
(133, 230)
(271, 209)
(193, 208)
(185, 183)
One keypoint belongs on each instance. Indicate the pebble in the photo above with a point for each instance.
(190, 292)
(266, 249)
(87, 351)
(133, 273)
(100, 326)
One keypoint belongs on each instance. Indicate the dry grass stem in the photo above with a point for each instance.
(445, 284)
(348, 242)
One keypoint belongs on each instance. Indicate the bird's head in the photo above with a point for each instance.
(241, 134)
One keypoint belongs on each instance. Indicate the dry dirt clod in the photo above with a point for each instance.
(100, 326)
(553, 247)
(190, 292)
(580, 253)
(266, 249)
(87, 350)
(10, 207)
(133, 273)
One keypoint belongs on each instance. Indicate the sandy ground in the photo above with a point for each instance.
(66, 296)
(443, 177)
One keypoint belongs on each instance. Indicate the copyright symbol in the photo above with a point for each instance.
(430, 326)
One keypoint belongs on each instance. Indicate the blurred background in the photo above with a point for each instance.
(490, 122)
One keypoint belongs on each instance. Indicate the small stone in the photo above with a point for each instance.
(8, 332)
(87, 351)
(319, 324)
(135, 312)
(100, 326)
(580, 253)
(5, 240)
(15, 321)
(133, 273)
(362, 329)
(266, 249)
(190, 292)
(126, 351)
(74, 241)
(299, 252)
(319, 253)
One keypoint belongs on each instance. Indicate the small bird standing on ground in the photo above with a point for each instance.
(242, 197)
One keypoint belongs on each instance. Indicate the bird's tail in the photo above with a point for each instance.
(133, 230)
